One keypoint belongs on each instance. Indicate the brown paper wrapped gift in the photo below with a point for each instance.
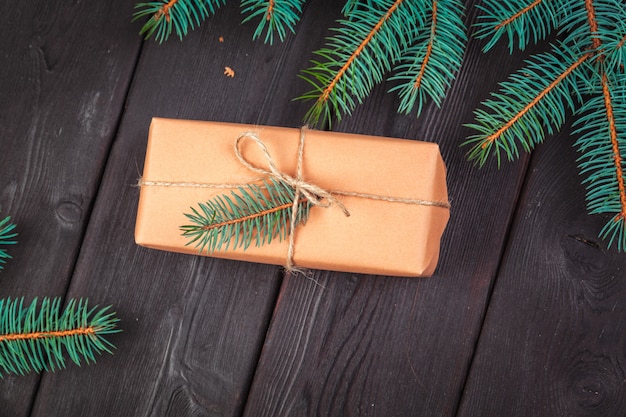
(185, 158)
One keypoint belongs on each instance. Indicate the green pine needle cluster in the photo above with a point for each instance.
(254, 213)
(519, 21)
(602, 143)
(421, 41)
(428, 67)
(273, 17)
(7, 236)
(41, 337)
(371, 39)
(508, 122)
(582, 75)
(180, 16)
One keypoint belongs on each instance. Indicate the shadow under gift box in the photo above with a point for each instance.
(379, 237)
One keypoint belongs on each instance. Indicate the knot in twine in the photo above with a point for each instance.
(314, 194)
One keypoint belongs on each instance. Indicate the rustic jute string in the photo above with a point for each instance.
(314, 194)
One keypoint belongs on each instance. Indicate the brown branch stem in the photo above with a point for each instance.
(327, 91)
(251, 216)
(608, 104)
(43, 335)
(518, 14)
(270, 10)
(165, 10)
(593, 23)
(429, 48)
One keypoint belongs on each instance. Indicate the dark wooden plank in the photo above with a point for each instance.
(193, 326)
(346, 344)
(553, 342)
(66, 67)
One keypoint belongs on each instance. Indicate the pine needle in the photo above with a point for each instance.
(7, 237)
(40, 337)
(275, 17)
(253, 213)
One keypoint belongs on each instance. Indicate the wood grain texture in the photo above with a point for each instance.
(208, 337)
(192, 326)
(66, 68)
(553, 343)
(342, 344)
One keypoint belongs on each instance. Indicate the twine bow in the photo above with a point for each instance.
(316, 195)
(313, 193)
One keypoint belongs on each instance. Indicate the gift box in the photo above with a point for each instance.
(394, 190)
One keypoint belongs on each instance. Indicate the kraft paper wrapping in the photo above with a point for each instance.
(379, 237)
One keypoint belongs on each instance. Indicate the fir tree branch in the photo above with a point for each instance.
(252, 213)
(429, 66)
(37, 338)
(617, 158)
(616, 227)
(371, 39)
(364, 43)
(535, 101)
(602, 143)
(532, 100)
(614, 197)
(276, 16)
(180, 16)
(7, 237)
(591, 62)
(521, 19)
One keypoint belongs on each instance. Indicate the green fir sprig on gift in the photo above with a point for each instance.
(7, 236)
(250, 214)
(41, 337)
(582, 75)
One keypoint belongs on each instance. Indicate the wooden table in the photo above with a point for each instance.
(525, 315)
